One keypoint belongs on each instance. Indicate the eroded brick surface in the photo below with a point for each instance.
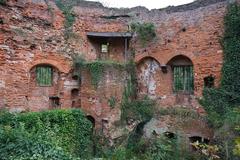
(31, 35)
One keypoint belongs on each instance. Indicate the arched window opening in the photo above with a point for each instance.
(183, 77)
(74, 93)
(209, 82)
(54, 102)
(148, 70)
(76, 103)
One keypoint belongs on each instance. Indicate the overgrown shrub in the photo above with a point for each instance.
(222, 104)
(141, 110)
(219, 102)
(145, 31)
(45, 135)
(158, 148)
(96, 68)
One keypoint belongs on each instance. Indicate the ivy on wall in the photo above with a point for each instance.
(231, 46)
(131, 106)
(96, 68)
(222, 104)
(66, 8)
(221, 100)
(145, 32)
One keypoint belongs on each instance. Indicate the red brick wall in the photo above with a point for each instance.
(31, 35)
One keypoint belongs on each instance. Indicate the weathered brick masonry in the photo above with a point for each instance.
(31, 35)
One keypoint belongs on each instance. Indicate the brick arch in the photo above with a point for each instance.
(138, 60)
(65, 68)
(171, 57)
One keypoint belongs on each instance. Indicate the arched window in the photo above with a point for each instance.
(44, 75)
(183, 78)
(148, 76)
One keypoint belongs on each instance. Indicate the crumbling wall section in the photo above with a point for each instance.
(33, 32)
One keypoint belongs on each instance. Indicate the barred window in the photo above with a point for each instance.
(44, 75)
(183, 78)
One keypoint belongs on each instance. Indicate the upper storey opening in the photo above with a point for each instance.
(110, 45)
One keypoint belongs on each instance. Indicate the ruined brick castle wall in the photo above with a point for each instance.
(32, 35)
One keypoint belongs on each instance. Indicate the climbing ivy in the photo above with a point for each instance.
(66, 8)
(231, 46)
(112, 101)
(133, 108)
(96, 68)
(222, 104)
(219, 101)
(145, 31)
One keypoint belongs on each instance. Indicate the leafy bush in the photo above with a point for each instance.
(237, 147)
(96, 68)
(145, 31)
(141, 110)
(222, 104)
(45, 135)
(112, 101)
(159, 148)
(231, 47)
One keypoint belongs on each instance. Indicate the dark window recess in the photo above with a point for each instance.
(73, 104)
(184, 29)
(44, 75)
(198, 139)
(170, 135)
(74, 93)
(209, 82)
(54, 102)
(183, 78)
(1, 21)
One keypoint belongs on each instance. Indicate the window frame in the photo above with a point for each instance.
(39, 83)
(104, 45)
(187, 87)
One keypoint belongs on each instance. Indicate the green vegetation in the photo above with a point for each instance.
(112, 101)
(138, 110)
(222, 104)
(57, 134)
(183, 113)
(66, 8)
(145, 32)
(3, 2)
(96, 68)
(131, 107)
(159, 148)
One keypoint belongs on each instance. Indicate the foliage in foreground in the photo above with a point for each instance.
(222, 104)
(158, 148)
(57, 134)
